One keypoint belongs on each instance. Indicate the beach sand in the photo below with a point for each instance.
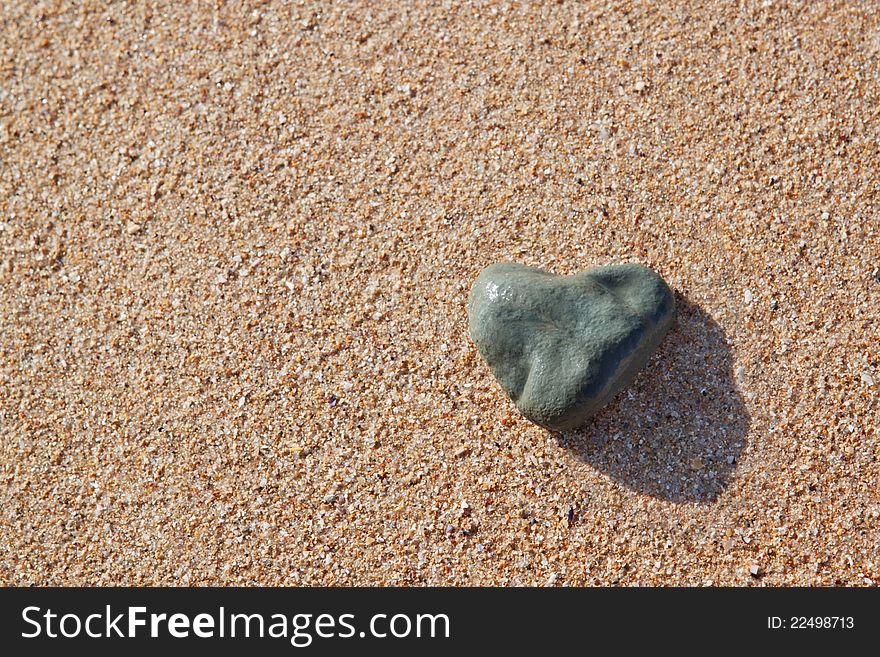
(236, 244)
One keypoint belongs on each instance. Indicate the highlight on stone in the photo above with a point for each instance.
(563, 346)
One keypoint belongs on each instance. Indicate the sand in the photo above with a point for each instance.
(236, 244)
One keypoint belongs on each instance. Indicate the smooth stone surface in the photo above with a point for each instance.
(563, 346)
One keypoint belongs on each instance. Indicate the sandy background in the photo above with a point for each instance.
(235, 250)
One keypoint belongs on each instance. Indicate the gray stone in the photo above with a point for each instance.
(563, 346)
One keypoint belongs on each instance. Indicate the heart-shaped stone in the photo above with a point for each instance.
(563, 346)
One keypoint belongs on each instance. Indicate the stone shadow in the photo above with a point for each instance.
(677, 431)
